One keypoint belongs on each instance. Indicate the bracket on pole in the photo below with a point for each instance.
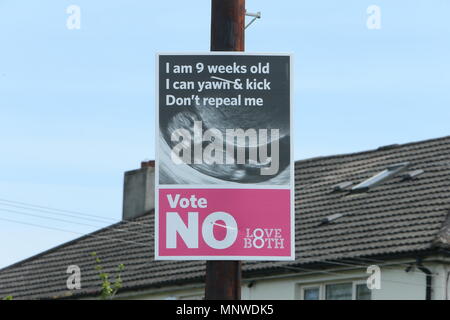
(255, 16)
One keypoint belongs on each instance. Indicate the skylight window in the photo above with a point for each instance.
(380, 177)
(413, 174)
(342, 186)
(331, 218)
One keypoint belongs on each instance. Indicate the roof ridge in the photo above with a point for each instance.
(62, 245)
(381, 148)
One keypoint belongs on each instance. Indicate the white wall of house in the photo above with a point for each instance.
(441, 279)
(395, 284)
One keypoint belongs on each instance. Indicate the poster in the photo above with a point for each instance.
(224, 169)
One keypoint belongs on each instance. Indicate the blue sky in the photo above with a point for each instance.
(77, 106)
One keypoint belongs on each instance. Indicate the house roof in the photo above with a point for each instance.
(399, 216)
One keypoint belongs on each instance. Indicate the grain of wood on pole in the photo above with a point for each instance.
(223, 278)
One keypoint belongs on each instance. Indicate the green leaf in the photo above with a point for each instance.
(108, 290)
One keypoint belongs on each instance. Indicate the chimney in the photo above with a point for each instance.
(139, 191)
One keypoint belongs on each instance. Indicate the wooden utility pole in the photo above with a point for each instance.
(227, 25)
(223, 278)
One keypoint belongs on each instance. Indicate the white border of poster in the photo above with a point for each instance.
(241, 186)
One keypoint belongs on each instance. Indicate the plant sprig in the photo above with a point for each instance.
(109, 290)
